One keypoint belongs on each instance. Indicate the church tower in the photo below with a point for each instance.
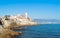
(26, 15)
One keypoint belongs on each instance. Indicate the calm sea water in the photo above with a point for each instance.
(41, 31)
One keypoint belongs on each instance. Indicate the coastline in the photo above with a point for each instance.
(10, 23)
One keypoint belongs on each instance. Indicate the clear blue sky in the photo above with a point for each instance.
(43, 9)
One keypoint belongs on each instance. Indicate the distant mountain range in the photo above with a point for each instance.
(47, 21)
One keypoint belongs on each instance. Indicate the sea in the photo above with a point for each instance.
(40, 31)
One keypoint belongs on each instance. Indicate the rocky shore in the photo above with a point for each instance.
(7, 33)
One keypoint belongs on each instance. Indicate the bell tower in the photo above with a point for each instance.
(26, 15)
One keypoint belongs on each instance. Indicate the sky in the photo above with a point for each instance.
(41, 9)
